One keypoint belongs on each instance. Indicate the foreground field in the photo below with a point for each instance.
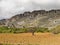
(29, 39)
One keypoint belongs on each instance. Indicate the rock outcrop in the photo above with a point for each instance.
(37, 18)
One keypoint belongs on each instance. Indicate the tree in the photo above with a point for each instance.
(32, 30)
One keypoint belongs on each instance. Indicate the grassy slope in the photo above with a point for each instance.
(28, 39)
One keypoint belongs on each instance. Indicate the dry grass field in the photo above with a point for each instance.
(29, 39)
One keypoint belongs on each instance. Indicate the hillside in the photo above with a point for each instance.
(37, 18)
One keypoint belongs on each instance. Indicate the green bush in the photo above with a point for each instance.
(41, 29)
(20, 30)
(23, 30)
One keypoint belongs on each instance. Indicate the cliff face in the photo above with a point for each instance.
(37, 18)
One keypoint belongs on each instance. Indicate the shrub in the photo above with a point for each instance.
(55, 30)
(41, 29)
(23, 30)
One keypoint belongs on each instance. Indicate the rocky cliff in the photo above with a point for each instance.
(37, 18)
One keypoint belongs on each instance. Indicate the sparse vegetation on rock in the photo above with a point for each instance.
(35, 18)
(35, 21)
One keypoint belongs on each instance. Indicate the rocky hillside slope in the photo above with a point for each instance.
(37, 18)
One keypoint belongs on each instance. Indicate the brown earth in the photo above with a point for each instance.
(29, 39)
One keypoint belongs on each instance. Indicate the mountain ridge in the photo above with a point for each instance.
(36, 18)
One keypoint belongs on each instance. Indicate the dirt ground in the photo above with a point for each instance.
(29, 39)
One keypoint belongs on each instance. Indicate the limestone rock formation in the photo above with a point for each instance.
(37, 18)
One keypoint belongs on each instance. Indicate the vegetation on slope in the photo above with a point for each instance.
(4, 29)
(23, 30)
(55, 30)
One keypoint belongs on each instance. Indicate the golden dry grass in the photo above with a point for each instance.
(28, 39)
